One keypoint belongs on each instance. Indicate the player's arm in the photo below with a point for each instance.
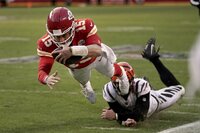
(92, 47)
(124, 116)
(44, 68)
(139, 112)
(66, 52)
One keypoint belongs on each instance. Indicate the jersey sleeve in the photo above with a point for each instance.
(44, 49)
(44, 68)
(109, 93)
(141, 87)
(92, 36)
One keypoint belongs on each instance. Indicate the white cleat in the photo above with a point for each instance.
(88, 92)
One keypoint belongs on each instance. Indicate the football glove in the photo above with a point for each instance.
(52, 80)
(150, 51)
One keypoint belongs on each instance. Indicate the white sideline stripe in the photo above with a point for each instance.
(13, 39)
(193, 127)
(112, 128)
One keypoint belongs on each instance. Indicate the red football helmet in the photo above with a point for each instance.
(61, 26)
(128, 68)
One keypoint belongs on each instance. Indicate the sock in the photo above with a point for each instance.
(165, 75)
(118, 70)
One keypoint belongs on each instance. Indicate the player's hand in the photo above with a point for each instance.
(108, 114)
(52, 80)
(64, 54)
(130, 123)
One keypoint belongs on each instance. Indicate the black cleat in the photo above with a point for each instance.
(150, 51)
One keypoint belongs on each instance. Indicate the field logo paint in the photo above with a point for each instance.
(196, 3)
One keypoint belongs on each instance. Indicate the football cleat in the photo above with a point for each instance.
(88, 92)
(150, 51)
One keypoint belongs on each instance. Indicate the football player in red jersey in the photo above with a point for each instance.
(77, 37)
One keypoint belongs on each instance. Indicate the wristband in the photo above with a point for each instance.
(116, 116)
(45, 79)
(123, 123)
(79, 50)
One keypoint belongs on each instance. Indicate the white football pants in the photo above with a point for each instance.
(103, 64)
(164, 98)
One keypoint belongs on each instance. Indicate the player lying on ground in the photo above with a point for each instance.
(80, 50)
(142, 101)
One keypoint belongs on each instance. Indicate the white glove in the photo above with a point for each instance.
(52, 80)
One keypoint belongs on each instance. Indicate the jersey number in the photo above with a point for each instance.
(47, 41)
(80, 25)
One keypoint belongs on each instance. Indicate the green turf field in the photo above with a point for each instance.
(26, 106)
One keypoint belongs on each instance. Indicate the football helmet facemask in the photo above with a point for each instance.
(61, 26)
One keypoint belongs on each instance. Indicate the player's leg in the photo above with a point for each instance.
(151, 54)
(174, 91)
(107, 66)
(83, 77)
(169, 96)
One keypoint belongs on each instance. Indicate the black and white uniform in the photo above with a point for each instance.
(142, 101)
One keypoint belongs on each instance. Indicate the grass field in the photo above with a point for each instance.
(26, 106)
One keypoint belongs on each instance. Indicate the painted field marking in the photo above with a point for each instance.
(180, 113)
(124, 51)
(13, 39)
(36, 91)
(19, 59)
(193, 127)
(191, 98)
(112, 128)
(43, 92)
(126, 29)
(193, 104)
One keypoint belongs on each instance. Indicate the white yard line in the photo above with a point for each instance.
(36, 91)
(112, 128)
(43, 92)
(191, 98)
(180, 113)
(19, 59)
(126, 29)
(192, 105)
(13, 39)
(193, 127)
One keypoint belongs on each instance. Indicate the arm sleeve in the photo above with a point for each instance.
(44, 68)
(138, 113)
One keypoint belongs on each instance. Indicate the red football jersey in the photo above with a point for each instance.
(85, 34)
